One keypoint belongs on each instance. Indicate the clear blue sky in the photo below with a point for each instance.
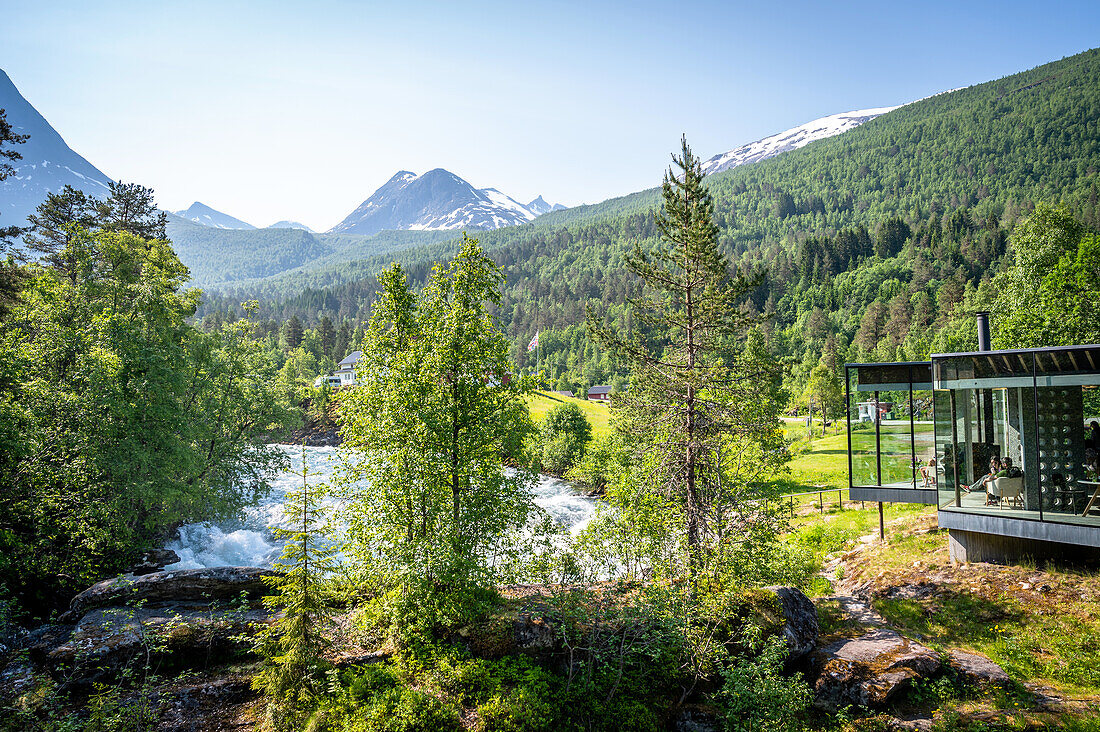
(299, 110)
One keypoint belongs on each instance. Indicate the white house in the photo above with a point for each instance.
(345, 371)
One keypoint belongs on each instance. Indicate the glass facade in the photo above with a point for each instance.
(891, 436)
(1018, 433)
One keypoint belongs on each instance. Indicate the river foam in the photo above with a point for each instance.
(250, 541)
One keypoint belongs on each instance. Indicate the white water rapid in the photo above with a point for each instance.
(250, 542)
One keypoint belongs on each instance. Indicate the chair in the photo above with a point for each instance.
(1008, 489)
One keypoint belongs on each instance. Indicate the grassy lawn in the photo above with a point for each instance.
(598, 413)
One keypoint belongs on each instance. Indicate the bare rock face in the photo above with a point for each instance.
(977, 669)
(182, 585)
(869, 670)
(107, 640)
(800, 625)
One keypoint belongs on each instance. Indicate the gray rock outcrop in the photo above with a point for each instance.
(977, 669)
(181, 585)
(869, 670)
(800, 627)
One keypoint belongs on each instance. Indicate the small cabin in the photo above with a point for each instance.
(568, 394)
(600, 393)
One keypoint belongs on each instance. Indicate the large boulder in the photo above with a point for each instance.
(181, 585)
(192, 635)
(800, 625)
(869, 670)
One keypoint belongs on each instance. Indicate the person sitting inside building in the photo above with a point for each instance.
(1008, 470)
(1092, 458)
(1093, 440)
(983, 482)
(928, 472)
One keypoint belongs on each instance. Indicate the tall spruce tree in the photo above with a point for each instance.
(694, 392)
(293, 675)
(293, 332)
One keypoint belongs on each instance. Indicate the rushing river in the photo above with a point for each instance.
(250, 542)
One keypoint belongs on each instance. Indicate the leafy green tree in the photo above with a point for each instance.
(297, 375)
(694, 399)
(563, 436)
(10, 274)
(427, 427)
(826, 391)
(293, 676)
(120, 417)
(1051, 297)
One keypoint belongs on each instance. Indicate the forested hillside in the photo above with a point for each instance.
(868, 241)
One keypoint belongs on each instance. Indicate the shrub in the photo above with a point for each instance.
(755, 695)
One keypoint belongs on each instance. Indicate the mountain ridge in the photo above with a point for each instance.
(436, 200)
(204, 215)
(48, 164)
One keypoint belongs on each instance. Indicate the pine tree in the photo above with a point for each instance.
(343, 341)
(293, 333)
(294, 672)
(327, 334)
(691, 392)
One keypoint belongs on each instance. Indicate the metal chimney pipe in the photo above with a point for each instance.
(983, 332)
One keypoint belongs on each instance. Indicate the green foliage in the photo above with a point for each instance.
(702, 410)
(294, 673)
(1051, 296)
(427, 427)
(118, 418)
(755, 696)
(563, 437)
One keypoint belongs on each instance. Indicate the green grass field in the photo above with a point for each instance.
(597, 413)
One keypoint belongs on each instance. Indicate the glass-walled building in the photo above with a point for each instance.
(891, 445)
(1036, 412)
(1008, 449)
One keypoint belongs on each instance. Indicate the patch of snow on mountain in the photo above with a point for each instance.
(792, 139)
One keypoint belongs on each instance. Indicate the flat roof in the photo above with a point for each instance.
(1015, 351)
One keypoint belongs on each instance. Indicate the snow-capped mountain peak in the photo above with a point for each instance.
(792, 139)
(200, 213)
(540, 206)
(47, 163)
(438, 199)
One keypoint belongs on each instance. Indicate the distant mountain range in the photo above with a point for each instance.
(792, 139)
(200, 213)
(437, 200)
(48, 163)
